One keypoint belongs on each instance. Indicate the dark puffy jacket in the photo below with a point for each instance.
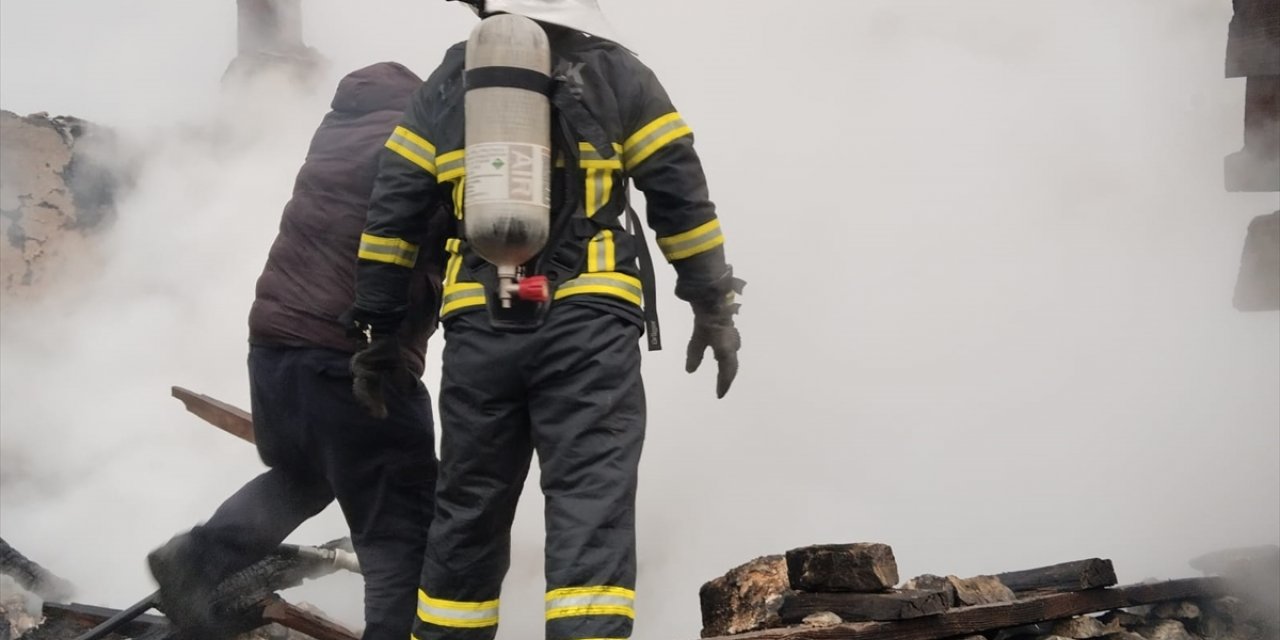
(309, 278)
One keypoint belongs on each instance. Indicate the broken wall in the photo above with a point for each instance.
(59, 181)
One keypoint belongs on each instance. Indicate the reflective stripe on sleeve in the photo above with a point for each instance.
(589, 158)
(700, 239)
(591, 601)
(414, 148)
(652, 137)
(455, 614)
(390, 250)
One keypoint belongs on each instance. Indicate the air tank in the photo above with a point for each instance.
(507, 202)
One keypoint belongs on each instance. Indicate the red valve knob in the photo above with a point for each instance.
(534, 289)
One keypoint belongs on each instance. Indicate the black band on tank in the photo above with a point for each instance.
(512, 77)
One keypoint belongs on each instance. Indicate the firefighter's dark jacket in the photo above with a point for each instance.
(423, 167)
(309, 277)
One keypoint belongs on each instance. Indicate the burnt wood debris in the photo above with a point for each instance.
(248, 600)
(841, 592)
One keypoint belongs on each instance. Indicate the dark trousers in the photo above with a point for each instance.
(571, 391)
(320, 444)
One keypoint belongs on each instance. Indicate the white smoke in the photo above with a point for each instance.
(988, 321)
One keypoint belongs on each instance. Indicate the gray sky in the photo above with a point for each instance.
(988, 321)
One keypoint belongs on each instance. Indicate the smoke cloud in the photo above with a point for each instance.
(988, 322)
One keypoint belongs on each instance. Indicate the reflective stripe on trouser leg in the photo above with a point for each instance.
(586, 401)
(484, 457)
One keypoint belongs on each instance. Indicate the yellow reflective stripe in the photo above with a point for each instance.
(599, 189)
(606, 187)
(451, 165)
(589, 158)
(652, 137)
(416, 139)
(461, 296)
(692, 242)
(593, 204)
(459, 194)
(601, 610)
(601, 253)
(454, 267)
(455, 614)
(601, 590)
(458, 295)
(618, 285)
(414, 148)
(590, 601)
(390, 250)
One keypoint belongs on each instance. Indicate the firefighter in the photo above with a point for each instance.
(562, 380)
(319, 443)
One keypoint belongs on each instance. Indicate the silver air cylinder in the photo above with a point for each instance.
(507, 203)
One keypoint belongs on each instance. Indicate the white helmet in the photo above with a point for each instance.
(581, 15)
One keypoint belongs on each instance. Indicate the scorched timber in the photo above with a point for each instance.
(851, 607)
(971, 620)
(1068, 576)
(231, 419)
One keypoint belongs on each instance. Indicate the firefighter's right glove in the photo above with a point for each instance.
(713, 327)
(373, 369)
(377, 364)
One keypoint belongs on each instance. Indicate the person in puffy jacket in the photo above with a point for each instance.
(319, 443)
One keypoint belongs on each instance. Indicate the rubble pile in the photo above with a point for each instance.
(59, 179)
(851, 592)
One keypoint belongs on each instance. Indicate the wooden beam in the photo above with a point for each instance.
(314, 625)
(88, 616)
(861, 567)
(1067, 576)
(229, 418)
(852, 607)
(971, 620)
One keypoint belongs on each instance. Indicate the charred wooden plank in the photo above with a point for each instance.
(82, 617)
(312, 624)
(1067, 576)
(855, 607)
(970, 620)
(860, 567)
(109, 626)
(980, 590)
(229, 418)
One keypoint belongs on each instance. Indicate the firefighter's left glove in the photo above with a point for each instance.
(376, 366)
(713, 327)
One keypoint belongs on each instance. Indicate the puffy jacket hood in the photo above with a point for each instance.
(377, 87)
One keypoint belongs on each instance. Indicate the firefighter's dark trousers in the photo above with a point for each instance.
(320, 444)
(571, 391)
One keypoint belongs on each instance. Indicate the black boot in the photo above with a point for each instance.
(186, 588)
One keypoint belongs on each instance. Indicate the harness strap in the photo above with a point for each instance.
(512, 77)
(648, 283)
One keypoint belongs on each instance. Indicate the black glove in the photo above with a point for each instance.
(375, 366)
(713, 327)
